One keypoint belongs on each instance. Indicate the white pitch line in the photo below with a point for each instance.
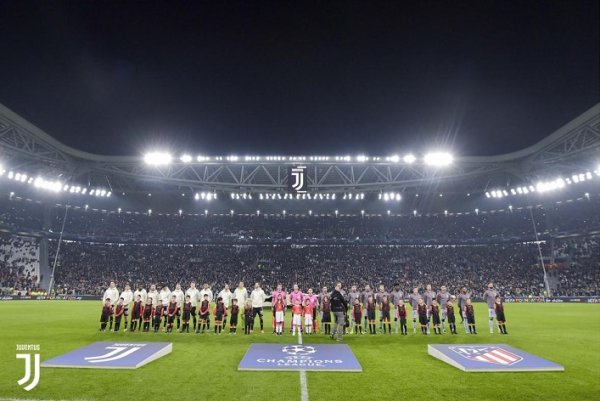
(303, 383)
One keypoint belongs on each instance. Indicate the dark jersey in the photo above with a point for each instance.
(248, 311)
(422, 309)
(385, 306)
(106, 312)
(147, 311)
(137, 310)
(450, 310)
(499, 309)
(401, 310)
(187, 307)
(326, 307)
(357, 312)
(469, 311)
(158, 311)
(220, 309)
(435, 310)
(172, 310)
(204, 307)
(119, 310)
(235, 310)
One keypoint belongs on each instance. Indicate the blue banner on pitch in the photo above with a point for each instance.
(111, 355)
(334, 358)
(490, 358)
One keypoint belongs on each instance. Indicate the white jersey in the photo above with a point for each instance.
(194, 295)
(165, 296)
(127, 296)
(208, 292)
(258, 298)
(153, 295)
(111, 293)
(141, 293)
(226, 295)
(241, 294)
(179, 295)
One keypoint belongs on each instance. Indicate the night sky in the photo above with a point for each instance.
(327, 77)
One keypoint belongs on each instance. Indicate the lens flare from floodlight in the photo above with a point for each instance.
(409, 158)
(186, 158)
(158, 158)
(438, 159)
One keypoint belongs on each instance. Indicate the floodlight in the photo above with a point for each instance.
(409, 158)
(186, 158)
(438, 159)
(157, 158)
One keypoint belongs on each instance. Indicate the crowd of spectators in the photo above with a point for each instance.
(87, 268)
(19, 263)
(455, 250)
(472, 228)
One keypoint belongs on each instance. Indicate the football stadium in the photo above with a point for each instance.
(172, 271)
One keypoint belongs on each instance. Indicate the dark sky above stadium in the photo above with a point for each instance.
(327, 77)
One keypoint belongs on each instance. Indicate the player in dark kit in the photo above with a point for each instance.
(119, 311)
(136, 313)
(248, 314)
(204, 313)
(385, 314)
(434, 313)
(233, 320)
(401, 315)
(220, 313)
(326, 315)
(370, 307)
(147, 315)
(450, 316)
(157, 315)
(357, 315)
(422, 313)
(107, 312)
(187, 314)
(499, 309)
(172, 310)
(470, 315)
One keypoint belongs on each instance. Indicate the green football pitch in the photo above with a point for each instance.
(204, 367)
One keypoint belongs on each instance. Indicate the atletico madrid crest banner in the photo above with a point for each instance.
(490, 358)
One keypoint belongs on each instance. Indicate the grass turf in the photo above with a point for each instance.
(394, 367)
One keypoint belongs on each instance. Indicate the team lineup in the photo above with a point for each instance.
(334, 313)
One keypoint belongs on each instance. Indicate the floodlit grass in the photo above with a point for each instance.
(204, 367)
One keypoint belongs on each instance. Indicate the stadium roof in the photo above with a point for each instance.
(570, 149)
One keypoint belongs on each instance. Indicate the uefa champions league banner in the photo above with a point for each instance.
(490, 358)
(333, 358)
(111, 355)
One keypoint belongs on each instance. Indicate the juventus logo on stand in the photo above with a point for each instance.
(36, 371)
(297, 182)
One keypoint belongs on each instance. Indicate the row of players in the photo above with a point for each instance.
(425, 309)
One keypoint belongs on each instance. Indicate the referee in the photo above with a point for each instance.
(339, 306)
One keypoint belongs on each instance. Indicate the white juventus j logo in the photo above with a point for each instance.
(36, 371)
(298, 173)
(116, 353)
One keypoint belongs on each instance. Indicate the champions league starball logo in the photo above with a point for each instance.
(338, 357)
(298, 350)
